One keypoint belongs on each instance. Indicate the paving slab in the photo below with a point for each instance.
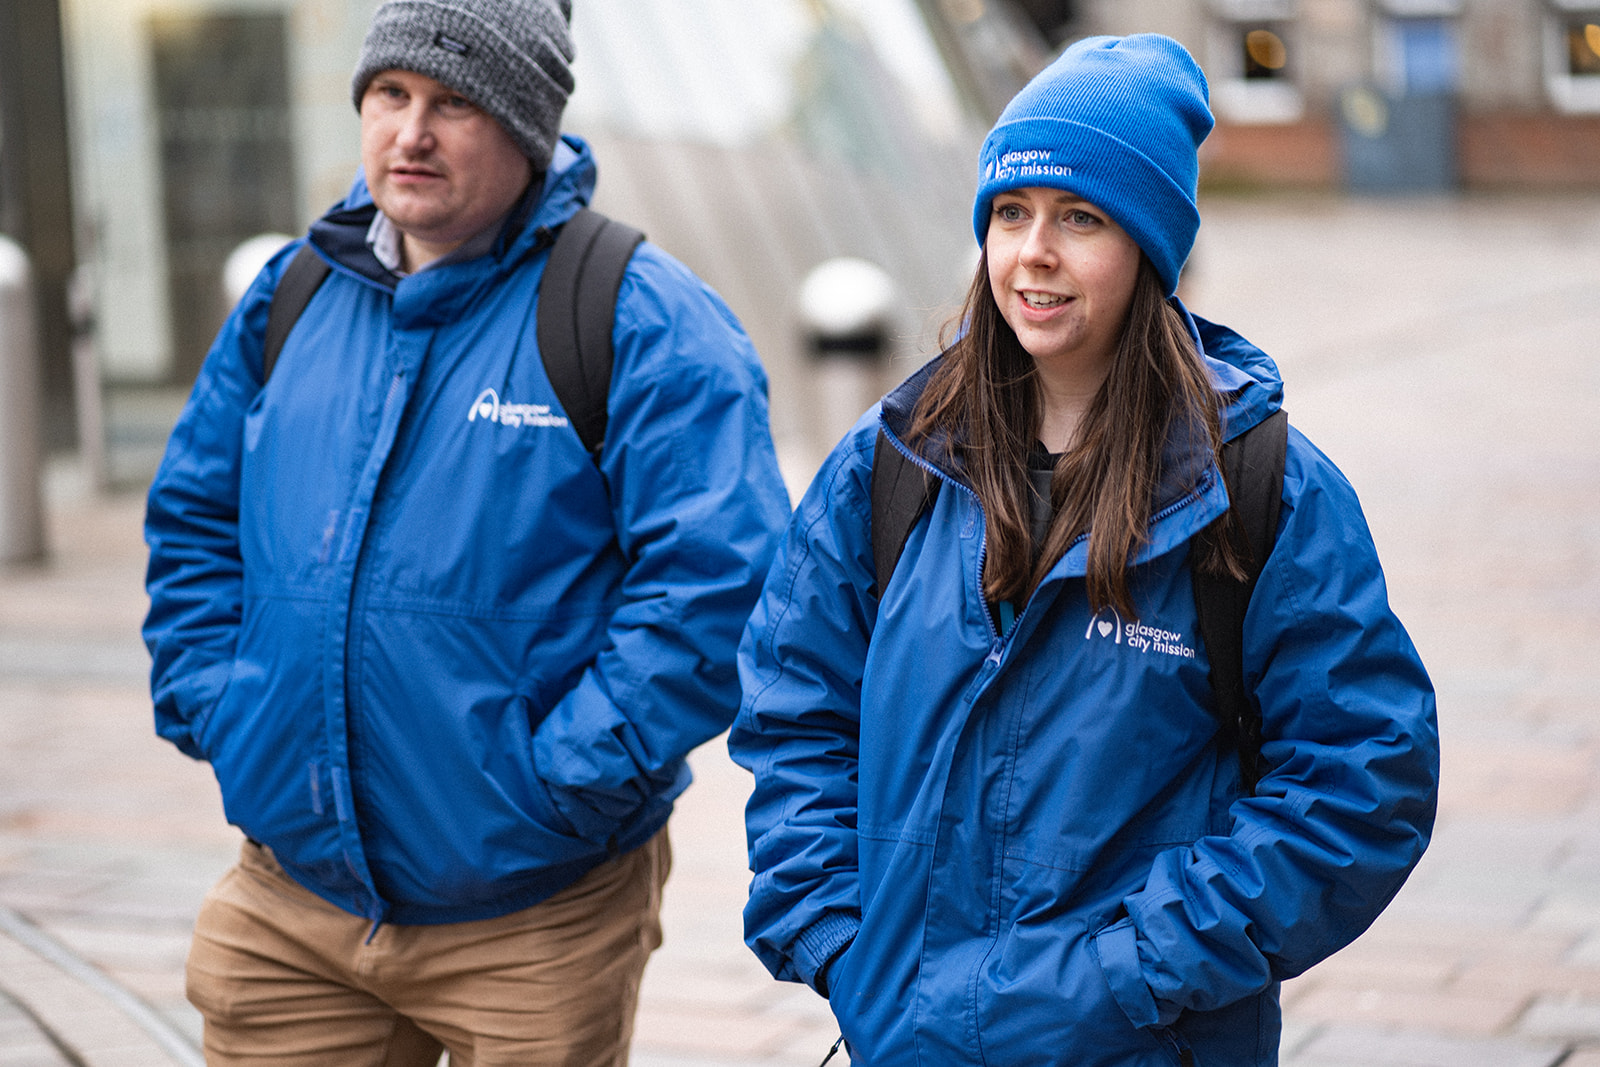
(85, 1016)
(1359, 1046)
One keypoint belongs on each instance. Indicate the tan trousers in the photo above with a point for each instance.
(284, 978)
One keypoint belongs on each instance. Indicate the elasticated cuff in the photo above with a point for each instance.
(820, 942)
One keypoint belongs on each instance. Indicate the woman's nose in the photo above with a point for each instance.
(1038, 248)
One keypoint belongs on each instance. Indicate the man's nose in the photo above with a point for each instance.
(416, 129)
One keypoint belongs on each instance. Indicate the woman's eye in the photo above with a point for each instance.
(1082, 218)
(1008, 212)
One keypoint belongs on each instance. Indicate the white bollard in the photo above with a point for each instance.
(246, 261)
(21, 450)
(846, 309)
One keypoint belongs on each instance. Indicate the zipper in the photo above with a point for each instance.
(344, 744)
(1176, 1045)
(996, 638)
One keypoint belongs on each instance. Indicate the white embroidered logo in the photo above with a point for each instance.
(1106, 627)
(1136, 635)
(489, 408)
(1025, 163)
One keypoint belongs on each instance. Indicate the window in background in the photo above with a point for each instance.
(1572, 55)
(732, 72)
(1251, 56)
(759, 139)
(1583, 47)
(227, 159)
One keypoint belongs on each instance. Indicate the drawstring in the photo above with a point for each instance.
(831, 1052)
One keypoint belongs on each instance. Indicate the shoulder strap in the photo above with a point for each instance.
(576, 313)
(576, 310)
(901, 492)
(1253, 466)
(300, 281)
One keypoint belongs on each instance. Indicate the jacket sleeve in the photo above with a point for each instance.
(798, 730)
(1347, 806)
(195, 577)
(698, 507)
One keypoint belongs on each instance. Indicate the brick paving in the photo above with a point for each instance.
(1443, 352)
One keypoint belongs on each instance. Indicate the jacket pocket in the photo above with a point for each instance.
(1042, 998)
(542, 808)
(205, 728)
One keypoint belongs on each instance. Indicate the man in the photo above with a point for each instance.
(445, 664)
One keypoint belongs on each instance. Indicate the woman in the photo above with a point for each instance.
(994, 821)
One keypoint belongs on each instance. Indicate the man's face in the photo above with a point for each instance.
(438, 166)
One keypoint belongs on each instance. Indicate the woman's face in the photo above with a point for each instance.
(1062, 274)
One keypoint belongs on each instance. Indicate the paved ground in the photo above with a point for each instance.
(1447, 354)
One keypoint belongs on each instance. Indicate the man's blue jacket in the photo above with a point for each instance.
(1031, 848)
(441, 662)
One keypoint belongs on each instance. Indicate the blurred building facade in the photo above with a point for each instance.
(754, 139)
(35, 185)
(1385, 95)
(757, 139)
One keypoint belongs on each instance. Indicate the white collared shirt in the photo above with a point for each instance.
(384, 238)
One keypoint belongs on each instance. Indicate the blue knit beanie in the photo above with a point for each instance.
(1117, 121)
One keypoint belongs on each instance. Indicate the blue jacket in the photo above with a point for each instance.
(1032, 848)
(442, 663)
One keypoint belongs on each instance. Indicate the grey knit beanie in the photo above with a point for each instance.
(510, 57)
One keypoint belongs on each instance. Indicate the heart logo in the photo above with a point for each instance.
(1105, 627)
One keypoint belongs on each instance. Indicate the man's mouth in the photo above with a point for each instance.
(413, 171)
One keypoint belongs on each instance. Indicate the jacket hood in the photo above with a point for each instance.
(1245, 375)
(341, 234)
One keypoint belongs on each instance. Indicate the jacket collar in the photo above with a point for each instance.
(1188, 499)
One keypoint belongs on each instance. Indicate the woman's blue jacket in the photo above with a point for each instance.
(1031, 848)
(441, 662)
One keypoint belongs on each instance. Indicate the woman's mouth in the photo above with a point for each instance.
(1043, 301)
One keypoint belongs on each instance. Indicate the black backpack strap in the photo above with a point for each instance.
(1253, 467)
(576, 312)
(901, 491)
(299, 282)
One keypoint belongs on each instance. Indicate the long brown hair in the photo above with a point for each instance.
(984, 399)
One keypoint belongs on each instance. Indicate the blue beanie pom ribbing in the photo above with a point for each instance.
(1117, 121)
